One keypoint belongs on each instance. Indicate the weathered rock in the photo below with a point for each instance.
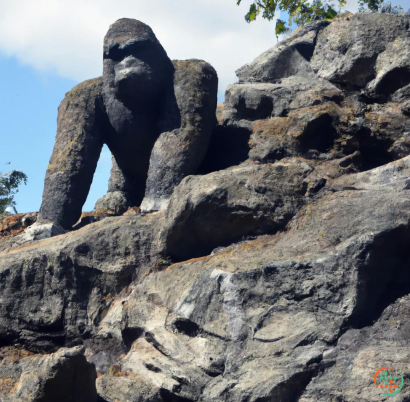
(316, 132)
(247, 102)
(362, 118)
(128, 387)
(401, 95)
(348, 49)
(35, 232)
(383, 134)
(392, 69)
(378, 133)
(364, 352)
(116, 202)
(64, 376)
(258, 320)
(54, 291)
(288, 58)
(247, 200)
(179, 153)
(395, 173)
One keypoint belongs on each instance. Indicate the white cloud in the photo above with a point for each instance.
(351, 5)
(66, 36)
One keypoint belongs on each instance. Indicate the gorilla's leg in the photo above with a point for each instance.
(80, 131)
(179, 153)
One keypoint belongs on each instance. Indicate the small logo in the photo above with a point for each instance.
(388, 381)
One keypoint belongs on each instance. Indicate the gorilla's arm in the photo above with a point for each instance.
(179, 153)
(77, 148)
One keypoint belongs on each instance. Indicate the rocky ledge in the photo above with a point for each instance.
(280, 272)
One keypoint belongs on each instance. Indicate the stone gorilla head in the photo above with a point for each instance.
(135, 64)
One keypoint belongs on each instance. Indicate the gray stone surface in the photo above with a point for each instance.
(246, 200)
(116, 202)
(259, 320)
(53, 290)
(347, 50)
(288, 58)
(262, 100)
(364, 351)
(392, 69)
(64, 376)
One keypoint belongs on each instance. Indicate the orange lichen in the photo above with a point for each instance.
(132, 210)
(13, 224)
(11, 354)
(188, 261)
(14, 389)
(6, 385)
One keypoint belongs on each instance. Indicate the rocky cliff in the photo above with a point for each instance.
(280, 272)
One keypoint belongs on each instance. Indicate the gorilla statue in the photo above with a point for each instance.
(156, 117)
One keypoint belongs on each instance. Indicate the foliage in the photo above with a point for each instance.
(9, 183)
(301, 11)
(373, 5)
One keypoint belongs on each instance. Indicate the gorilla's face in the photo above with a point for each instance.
(137, 71)
(139, 64)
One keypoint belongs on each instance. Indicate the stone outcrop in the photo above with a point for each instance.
(247, 200)
(351, 103)
(353, 51)
(291, 57)
(279, 272)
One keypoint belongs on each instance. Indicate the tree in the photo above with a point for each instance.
(300, 11)
(9, 183)
(373, 5)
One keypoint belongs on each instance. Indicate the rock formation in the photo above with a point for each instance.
(279, 272)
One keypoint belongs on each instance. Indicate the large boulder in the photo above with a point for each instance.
(350, 100)
(392, 69)
(247, 200)
(349, 49)
(248, 102)
(54, 291)
(290, 57)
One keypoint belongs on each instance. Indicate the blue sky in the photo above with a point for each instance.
(28, 104)
(48, 46)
